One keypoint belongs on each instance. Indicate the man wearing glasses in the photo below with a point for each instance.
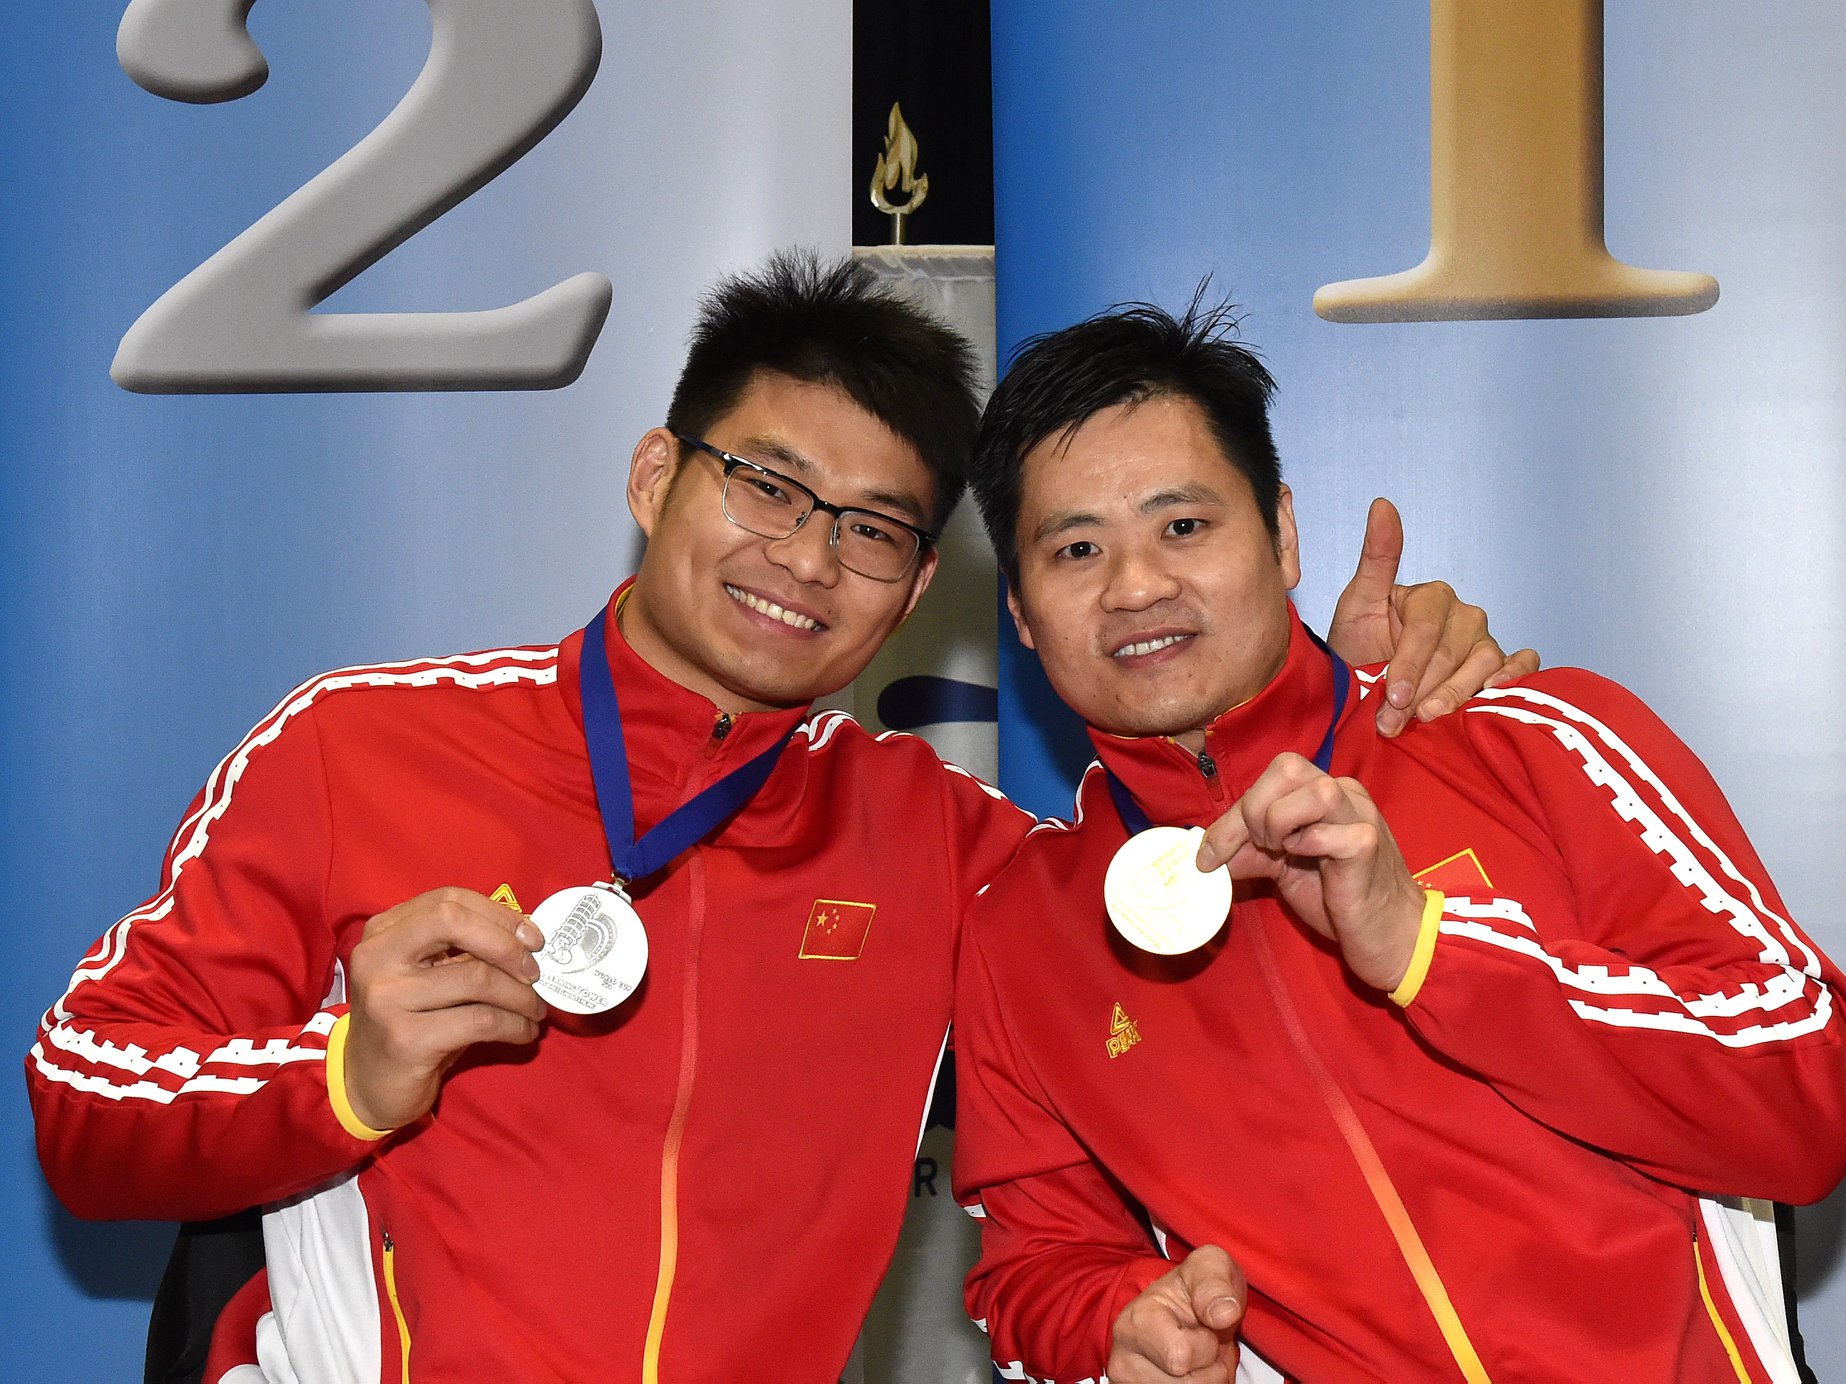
(493, 1145)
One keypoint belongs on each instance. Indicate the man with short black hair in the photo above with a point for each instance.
(1507, 1019)
(499, 1146)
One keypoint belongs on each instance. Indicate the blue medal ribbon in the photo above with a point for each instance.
(689, 823)
(1136, 820)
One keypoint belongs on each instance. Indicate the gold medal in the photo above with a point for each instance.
(1157, 897)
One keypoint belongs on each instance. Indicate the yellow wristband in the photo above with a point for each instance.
(1425, 949)
(336, 1086)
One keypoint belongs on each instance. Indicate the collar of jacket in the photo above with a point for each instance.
(1290, 713)
(669, 732)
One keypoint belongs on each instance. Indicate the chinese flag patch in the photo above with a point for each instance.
(1461, 875)
(836, 930)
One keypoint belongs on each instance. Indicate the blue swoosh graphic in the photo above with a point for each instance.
(927, 700)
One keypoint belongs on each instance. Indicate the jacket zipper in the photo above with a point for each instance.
(1371, 1167)
(1711, 1310)
(682, 1098)
(397, 1308)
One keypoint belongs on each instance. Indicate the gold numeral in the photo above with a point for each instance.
(1516, 181)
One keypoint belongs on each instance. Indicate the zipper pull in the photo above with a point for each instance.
(1208, 767)
(722, 727)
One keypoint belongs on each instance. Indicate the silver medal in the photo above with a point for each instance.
(595, 950)
(1157, 897)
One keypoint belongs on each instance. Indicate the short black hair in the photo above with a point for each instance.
(1128, 354)
(832, 322)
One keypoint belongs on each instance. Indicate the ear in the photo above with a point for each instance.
(1288, 542)
(1020, 623)
(920, 580)
(650, 476)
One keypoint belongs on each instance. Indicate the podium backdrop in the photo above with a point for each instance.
(1661, 496)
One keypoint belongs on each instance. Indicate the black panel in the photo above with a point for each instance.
(934, 57)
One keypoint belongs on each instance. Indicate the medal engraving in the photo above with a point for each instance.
(595, 950)
(1156, 896)
(585, 937)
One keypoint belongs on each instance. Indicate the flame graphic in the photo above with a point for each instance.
(896, 171)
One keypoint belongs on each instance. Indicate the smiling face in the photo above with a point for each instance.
(756, 623)
(1148, 583)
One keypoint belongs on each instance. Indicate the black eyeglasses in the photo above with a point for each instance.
(771, 505)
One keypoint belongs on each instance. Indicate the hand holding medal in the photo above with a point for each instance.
(1333, 860)
(429, 978)
(1158, 893)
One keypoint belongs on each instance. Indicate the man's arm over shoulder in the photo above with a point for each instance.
(981, 826)
(184, 1073)
(1062, 1252)
(1680, 1020)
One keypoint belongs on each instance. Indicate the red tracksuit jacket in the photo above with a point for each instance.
(1618, 1026)
(705, 1183)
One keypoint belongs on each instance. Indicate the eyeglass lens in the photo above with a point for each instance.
(867, 543)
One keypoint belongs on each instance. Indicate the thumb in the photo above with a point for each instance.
(1367, 597)
(1380, 554)
(1222, 840)
(1216, 1286)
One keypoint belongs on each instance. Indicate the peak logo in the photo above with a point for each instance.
(1124, 1032)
